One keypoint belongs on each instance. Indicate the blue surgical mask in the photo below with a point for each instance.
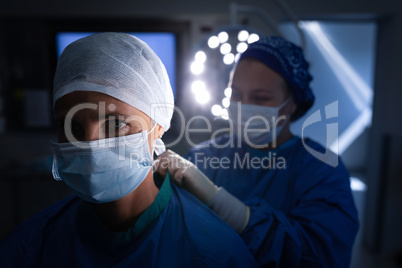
(104, 170)
(256, 125)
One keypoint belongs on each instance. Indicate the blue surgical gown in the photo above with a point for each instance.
(302, 210)
(175, 231)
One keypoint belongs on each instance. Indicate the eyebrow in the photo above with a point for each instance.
(256, 90)
(117, 115)
(263, 90)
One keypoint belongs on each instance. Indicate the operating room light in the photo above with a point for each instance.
(241, 47)
(199, 89)
(200, 57)
(198, 86)
(225, 114)
(228, 59)
(216, 110)
(237, 57)
(226, 102)
(225, 48)
(213, 42)
(253, 38)
(202, 97)
(197, 67)
(243, 36)
(223, 37)
(228, 92)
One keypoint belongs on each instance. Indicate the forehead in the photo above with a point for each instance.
(252, 74)
(78, 99)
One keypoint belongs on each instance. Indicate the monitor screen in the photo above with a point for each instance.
(163, 43)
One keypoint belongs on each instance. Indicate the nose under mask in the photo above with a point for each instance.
(257, 125)
(104, 170)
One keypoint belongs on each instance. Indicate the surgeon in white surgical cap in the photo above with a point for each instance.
(113, 102)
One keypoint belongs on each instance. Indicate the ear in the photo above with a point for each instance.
(159, 131)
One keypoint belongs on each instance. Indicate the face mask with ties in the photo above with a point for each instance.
(103, 170)
(260, 123)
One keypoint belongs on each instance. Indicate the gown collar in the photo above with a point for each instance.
(279, 150)
(94, 230)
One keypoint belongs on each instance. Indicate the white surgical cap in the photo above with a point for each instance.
(119, 65)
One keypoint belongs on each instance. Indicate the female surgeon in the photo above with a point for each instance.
(290, 208)
(113, 101)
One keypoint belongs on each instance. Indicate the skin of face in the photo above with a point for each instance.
(120, 119)
(255, 83)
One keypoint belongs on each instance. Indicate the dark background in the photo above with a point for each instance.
(27, 62)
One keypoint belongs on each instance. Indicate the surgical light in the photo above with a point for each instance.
(241, 47)
(225, 114)
(197, 67)
(226, 102)
(228, 92)
(237, 57)
(213, 42)
(200, 57)
(223, 37)
(242, 35)
(198, 86)
(225, 48)
(228, 59)
(253, 38)
(216, 110)
(202, 97)
(221, 49)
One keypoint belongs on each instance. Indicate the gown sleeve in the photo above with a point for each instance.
(314, 227)
(13, 253)
(317, 231)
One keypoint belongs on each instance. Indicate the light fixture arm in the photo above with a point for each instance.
(289, 13)
(236, 9)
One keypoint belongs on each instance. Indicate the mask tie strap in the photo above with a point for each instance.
(284, 103)
(152, 129)
(159, 146)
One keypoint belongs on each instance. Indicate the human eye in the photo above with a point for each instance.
(116, 127)
(261, 98)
